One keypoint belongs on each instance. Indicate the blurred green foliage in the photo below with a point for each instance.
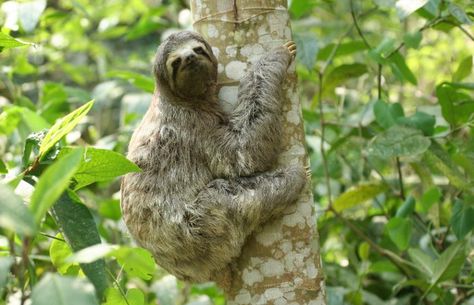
(387, 94)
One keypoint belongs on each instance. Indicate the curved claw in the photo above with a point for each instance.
(291, 47)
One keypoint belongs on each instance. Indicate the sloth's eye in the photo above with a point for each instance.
(175, 64)
(199, 50)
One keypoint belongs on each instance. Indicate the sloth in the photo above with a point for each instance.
(209, 178)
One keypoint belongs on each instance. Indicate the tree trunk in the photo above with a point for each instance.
(280, 264)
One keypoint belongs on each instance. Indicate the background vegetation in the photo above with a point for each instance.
(387, 95)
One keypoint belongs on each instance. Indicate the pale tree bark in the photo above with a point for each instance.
(280, 264)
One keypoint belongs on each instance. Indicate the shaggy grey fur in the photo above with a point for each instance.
(208, 178)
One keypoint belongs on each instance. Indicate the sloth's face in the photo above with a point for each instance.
(190, 69)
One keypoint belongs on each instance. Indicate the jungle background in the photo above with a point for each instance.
(386, 89)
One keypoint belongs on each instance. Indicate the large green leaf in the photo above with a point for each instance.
(342, 73)
(61, 290)
(422, 261)
(80, 231)
(420, 120)
(413, 40)
(343, 49)
(140, 81)
(407, 208)
(63, 126)
(100, 165)
(462, 220)
(53, 182)
(386, 114)
(456, 107)
(401, 70)
(299, 8)
(59, 251)
(430, 197)
(399, 231)
(438, 159)
(399, 141)
(358, 195)
(464, 69)
(134, 296)
(14, 215)
(459, 14)
(449, 264)
(136, 262)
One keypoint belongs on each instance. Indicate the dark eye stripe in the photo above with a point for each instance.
(201, 51)
(175, 65)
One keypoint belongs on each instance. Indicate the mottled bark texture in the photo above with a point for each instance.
(280, 264)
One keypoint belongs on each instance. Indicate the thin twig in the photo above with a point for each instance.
(124, 296)
(356, 24)
(400, 179)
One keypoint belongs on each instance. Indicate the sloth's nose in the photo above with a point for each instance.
(190, 58)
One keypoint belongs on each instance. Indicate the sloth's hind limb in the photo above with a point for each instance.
(227, 211)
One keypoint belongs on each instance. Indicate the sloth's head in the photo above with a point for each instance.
(185, 66)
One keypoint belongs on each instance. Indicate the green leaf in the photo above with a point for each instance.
(438, 159)
(63, 127)
(307, 49)
(7, 42)
(140, 81)
(386, 114)
(53, 182)
(401, 70)
(61, 290)
(464, 69)
(420, 120)
(59, 251)
(5, 264)
(432, 196)
(462, 219)
(455, 106)
(342, 73)
(422, 261)
(136, 262)
(343, 49)
(399, 141)
(383, 49)
(407, 7)
(110, 209)
(407, 208)
(459, 14)
(134, 296)
(299, 8)
(413, 40)
(364, 250)
(449, 264)
(14, 215)
(80, 231)
(357, 195)
(399, 231)
(33, 121)
(100, 165)
(3, 167)
(9, 119)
